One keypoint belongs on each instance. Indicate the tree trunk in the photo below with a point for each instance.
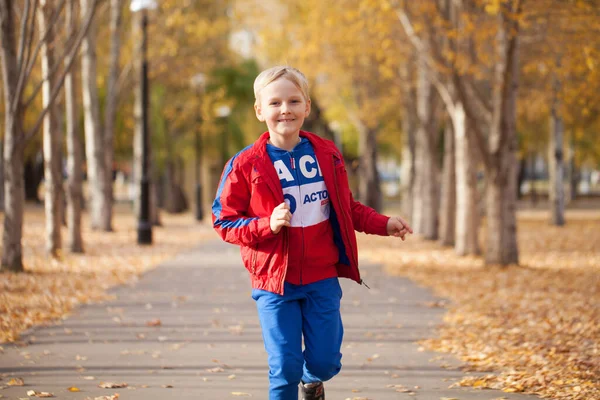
(572, 171)
(467, 217)
(369, 188)
(556, 190)
(448, 202)
(426, 186)
(33, 174)
(502, 170)
(111, 105)
(1, 176)
(408, 140)
(94, 143)
(74, 151)
(12, 252)
(51, 139)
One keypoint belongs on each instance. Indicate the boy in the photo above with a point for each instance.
(286, 201)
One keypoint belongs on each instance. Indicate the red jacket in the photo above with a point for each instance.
(249, 191)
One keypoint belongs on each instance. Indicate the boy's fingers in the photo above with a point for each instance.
(405, 224)
(282, 206)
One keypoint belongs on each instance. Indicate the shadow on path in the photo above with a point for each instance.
(209, 345)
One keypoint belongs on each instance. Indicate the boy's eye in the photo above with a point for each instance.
(274, 103)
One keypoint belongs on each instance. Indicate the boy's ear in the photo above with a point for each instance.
(258, 112)
(307, 111)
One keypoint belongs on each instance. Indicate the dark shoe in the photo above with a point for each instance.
(312, 391)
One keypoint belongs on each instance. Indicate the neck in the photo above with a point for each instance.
(287, 144)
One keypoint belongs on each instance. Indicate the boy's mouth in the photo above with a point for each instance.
(286, 120)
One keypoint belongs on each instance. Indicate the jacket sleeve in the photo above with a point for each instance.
(229, 210)
(367, 220)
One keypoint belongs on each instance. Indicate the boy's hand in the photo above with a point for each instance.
(280, 217)
(397, 227)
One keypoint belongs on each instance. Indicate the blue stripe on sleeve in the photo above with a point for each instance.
(217, 207)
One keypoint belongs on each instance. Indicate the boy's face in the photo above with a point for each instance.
(283, 107)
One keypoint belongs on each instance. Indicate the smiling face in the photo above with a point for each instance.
(283, 107)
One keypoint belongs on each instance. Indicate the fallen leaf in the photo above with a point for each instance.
(241, 394)
(154, 322)
(16, 382)
(110, 385)
(74, 389)
(167, 386)
(39, 394)
(109, 397)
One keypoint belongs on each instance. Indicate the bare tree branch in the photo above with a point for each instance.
(23, 35)
(55, 68)
(70, 59)
(420, 47)
(26, 72)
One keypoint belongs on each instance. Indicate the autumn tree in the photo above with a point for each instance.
(20, 48)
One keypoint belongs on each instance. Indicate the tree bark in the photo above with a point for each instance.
(408, 139)
(111, 105)
(502, 168)
(51, 139)
(448, 202)
(572, 171)
(467, 218)
(369, 187)
(33, 174)
(426, 186)
(1, 175)
(94, 143)
(556, 165)
(12, 259)
(74, 151)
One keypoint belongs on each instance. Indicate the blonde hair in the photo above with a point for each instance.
(281, 71)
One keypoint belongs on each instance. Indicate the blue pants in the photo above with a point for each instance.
(312, 311)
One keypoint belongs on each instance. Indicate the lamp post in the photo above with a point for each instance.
(222, 113)
(144, 229)
(198, 82)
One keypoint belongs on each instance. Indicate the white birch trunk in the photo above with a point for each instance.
(74, 151)
(94, 143)
(467, 218)
(52, 142)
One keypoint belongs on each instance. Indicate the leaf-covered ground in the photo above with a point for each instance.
(50, 288)
(537, 325)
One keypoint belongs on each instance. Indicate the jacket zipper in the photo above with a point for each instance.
(297, 177)
(337, 192)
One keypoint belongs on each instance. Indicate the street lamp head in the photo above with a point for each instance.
(198, 81)
(138, 5)
(223, 111)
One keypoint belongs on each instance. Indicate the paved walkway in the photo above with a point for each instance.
(209, 344)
